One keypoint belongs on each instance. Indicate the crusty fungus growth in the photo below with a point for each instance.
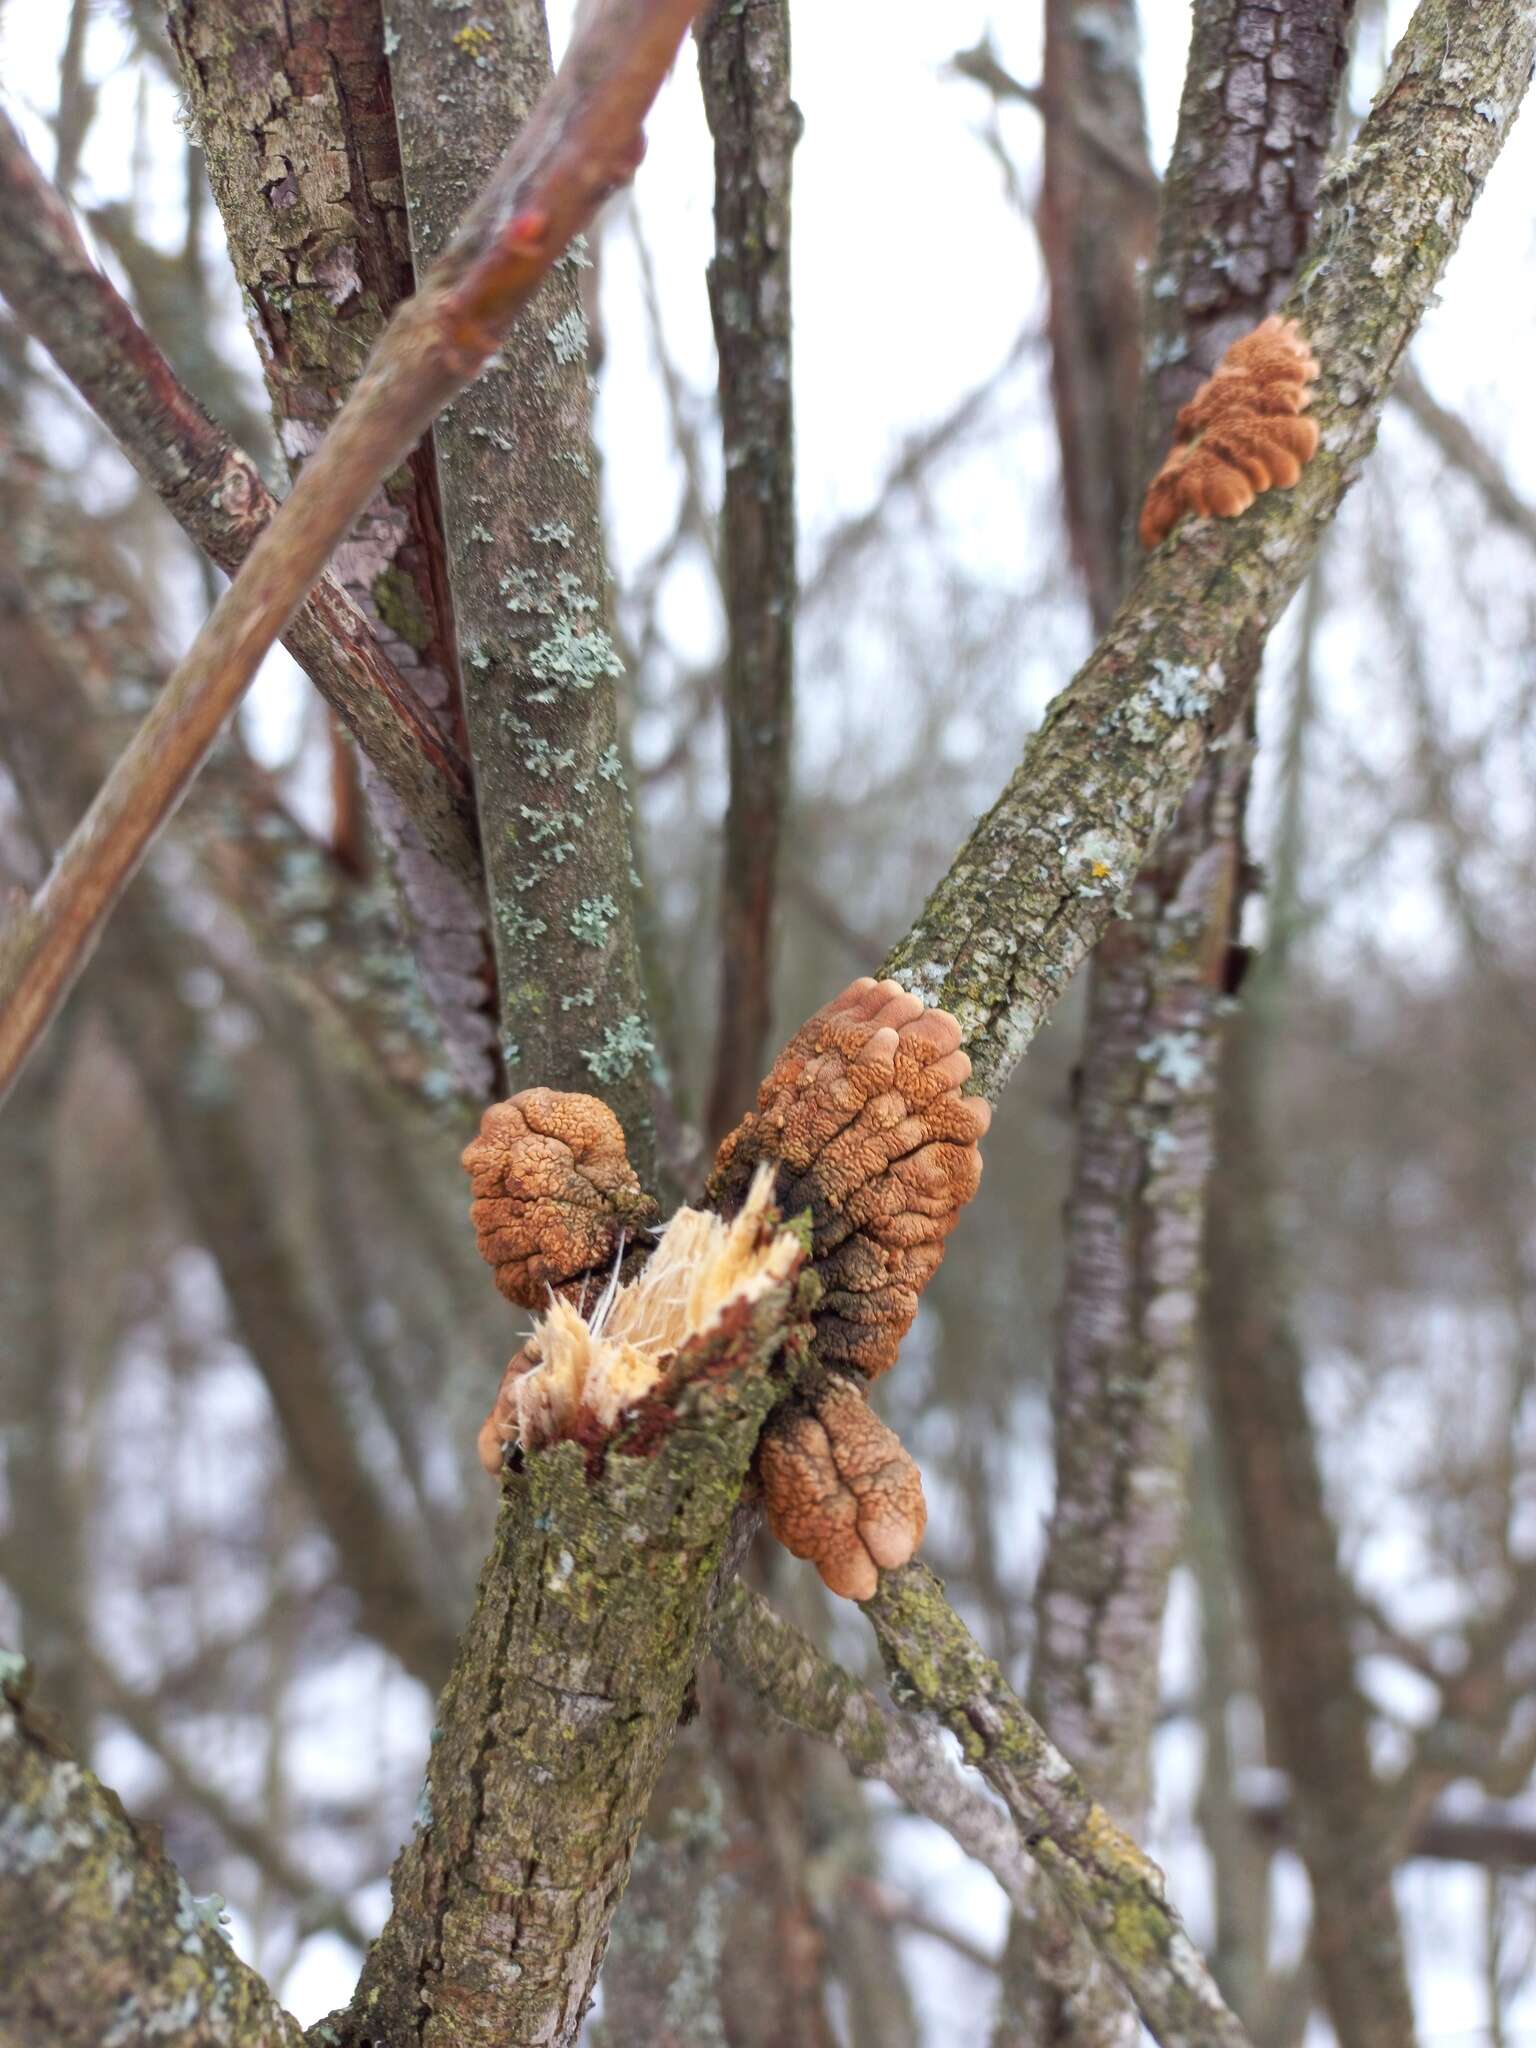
(554, 1193)
(1240, 434)
(840, 1490)
(864, 1121)
(579, 1373)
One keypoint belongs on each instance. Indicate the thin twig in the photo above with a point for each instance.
(1114, 1889)
(584, 139)
(787, 1674)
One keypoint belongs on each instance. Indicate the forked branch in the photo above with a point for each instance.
(584, 139)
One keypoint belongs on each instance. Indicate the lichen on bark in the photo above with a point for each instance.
(525, 555)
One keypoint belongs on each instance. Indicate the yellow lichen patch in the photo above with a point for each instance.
(474, 40)
(578, 1373)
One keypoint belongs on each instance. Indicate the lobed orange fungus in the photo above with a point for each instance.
(554, 1192)
(839, 1489)
(1240, 434)
(863, 1119)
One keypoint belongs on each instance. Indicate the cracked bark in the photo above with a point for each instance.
(526, 561)
(291, 102)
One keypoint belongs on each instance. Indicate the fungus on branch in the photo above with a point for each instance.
(863, 1120)
(554, 1193)
(839, 1489)
(579, 1376)
(1240, 434)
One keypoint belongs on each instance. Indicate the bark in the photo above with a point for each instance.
(292, 106)
(744, 69)
(101, 1943)
(524, 546)
(1262, 84)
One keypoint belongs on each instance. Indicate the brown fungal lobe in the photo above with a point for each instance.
(839, 1489)
(554, 1193)
(864, 1122)
(1242, 432)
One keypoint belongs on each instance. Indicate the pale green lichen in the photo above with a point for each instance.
(622, 1045)
(572, 660)
(592, 919)
(568, 337)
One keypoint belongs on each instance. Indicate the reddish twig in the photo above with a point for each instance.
(213, 491)
(582, 141)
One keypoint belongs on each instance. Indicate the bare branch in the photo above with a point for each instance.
(522, 536)
(1466, 452)
(744, 69)
(583, 140)
(214, 493)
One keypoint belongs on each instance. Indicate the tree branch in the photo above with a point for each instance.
(214, 492)
(100, 1939)
(583, 140)
(1040, 876)
(784, 1671)
(744, 70)
(522, 530)
(1116, 1892)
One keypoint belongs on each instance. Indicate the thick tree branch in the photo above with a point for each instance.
(518, 475)
(583, 140)
(100, 1938)
(1040, 876)
(214, 493)
(558, 1718)
(744, 70)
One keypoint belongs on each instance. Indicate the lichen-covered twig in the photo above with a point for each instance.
(214, 492)
(1116, 1891)
(787, 1674)
(583, 140)
(744, 70)
(1044, 870)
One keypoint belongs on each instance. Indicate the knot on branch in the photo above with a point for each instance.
(1240, 434)
(616, 1371)
(839, 1489)
(554, 1193)
(864, 1123)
